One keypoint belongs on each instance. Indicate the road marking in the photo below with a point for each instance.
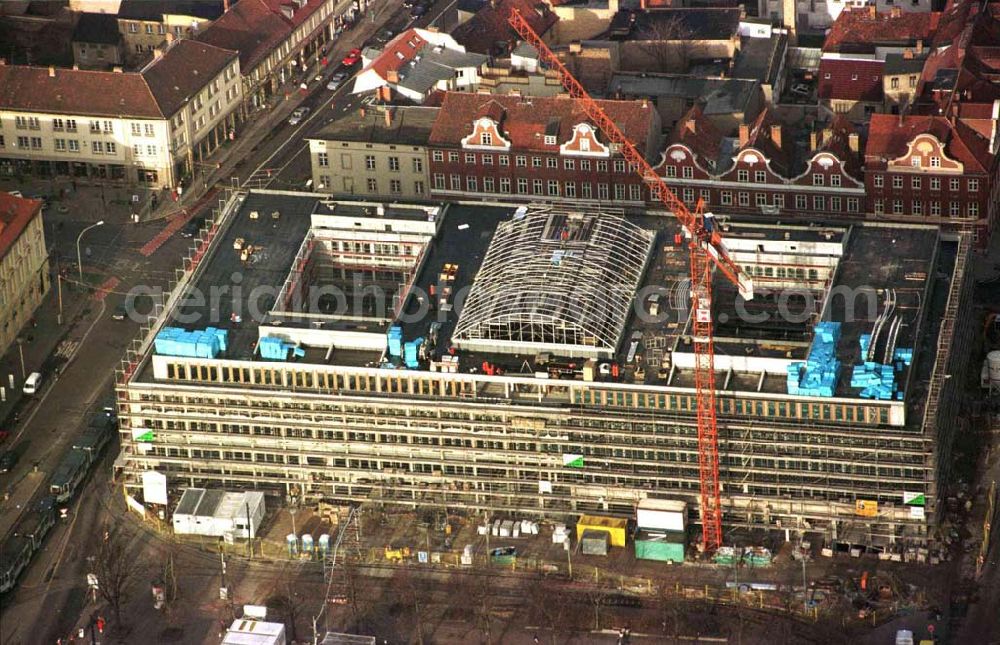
(106, 287)
(176, 224)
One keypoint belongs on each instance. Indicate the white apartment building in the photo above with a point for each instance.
(151, 127)
(24, 264)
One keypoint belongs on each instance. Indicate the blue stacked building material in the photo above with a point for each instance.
(395, 340)
(277, 349)
(175, 341)
(878, 380)
(411, 351)
(818, 375)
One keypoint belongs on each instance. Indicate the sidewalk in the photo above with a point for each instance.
(261, 123)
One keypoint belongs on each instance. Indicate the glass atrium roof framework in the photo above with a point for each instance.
(559, 282)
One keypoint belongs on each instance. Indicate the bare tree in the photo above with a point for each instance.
(413, 595)
(115, 567)
(351, 584)
(672, 608)
(479, 593)
(549, 601)
(286, 602)
(666, 45)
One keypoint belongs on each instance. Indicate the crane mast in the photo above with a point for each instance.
(707, 252)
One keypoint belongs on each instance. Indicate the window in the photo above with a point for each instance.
(453, 157)
(913, 77)
(916, 207)
(935, 162)
(602, 165)
(953, 184)
(586, 190)
(323, 160)
(36, 143)
(418, 187)
(487, 160)
(133, 28)
(505, 184)
(136, 130)
(553, 188)
(521, 161)
(537, 186)
(486, 138)
(817, 179)
(705, 195)
(504, 161)
(58, 125)
(569, 189)
(97, 147)
(522, 186)
(3, 142)
(760, 176)
(456, 182)
(635, 192)
(551, 162)
(897, 182)
(835, 181)
(60, 145)
(619, 165)
(437, 155)
(395, 186)
(393, 164)
(760, 199)
(536, 162)
(619, 192)
(147, 129)
(95, 127)
(915, 183)
(109, 127)
(550, 140)
(70, 125)
(687, 172)
(20, 122)
(726, 198)
(568, 164)
(369, 162)
(935, 209)
(418, 164)
(835, 204)
(954, 209)
(470, 158)
(489, 185)
(819, 203)
(852, 204)
(897, 207)
(671, 171)
(935, 183)
(439, 181)
(585, 164)
(602, 191)
(894, 83)
(800, 202)
(973, 185)
(743, 197)
(779, 200)
(74, 145)
(111, 148)
(877, 181)
(974, 209)
(743, 176)
(149, 28)
(33, 123)
(915, 162)
(372, 185)
(879, 207)
(151, 151)
(137, 151)
(161, 29)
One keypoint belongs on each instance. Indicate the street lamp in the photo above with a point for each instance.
(79, 260)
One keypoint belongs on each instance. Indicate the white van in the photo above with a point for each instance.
(33, 383)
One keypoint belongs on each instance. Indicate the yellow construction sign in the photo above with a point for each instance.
(866, 507)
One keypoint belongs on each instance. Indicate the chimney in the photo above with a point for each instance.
(920, 47)
(388, 117)
(52, 71)
(392, 76)
(170, 37)
(895, 12)
(776, 135)
(117, 70)
(744, 134)
(813, 141)
(225, 5)
(157, 53)
(384, 93)
(853, 142)
(872, 11)
(691, 126)
(908, 54)
(362, 112)
(76, 68)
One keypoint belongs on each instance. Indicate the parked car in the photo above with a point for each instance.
(120, 312)
(191, 228)
(298, 115)
(352, 58)
(336, 81)
(33, 383)
(384, 36)
(418, 11)
(7, 461)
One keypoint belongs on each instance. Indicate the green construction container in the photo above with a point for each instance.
(664, 546)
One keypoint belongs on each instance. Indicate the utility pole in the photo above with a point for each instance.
(249, 531)
(59, 280)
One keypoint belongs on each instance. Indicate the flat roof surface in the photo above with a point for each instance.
(876, 259)
(408, 126)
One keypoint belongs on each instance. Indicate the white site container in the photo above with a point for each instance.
(661, 514)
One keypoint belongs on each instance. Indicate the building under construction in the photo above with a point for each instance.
(539, 361)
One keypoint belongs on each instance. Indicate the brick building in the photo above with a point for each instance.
(761, 171)
(933, 169)
(509, 147)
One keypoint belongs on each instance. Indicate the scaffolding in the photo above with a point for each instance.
(556, 281)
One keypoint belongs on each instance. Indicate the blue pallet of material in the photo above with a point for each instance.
(174, 341)
(276, 349)
(395, 340)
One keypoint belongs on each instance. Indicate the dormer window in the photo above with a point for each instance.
(585, 145)
(486, 138)
(935, 162)
(550, 140)
(915, 162)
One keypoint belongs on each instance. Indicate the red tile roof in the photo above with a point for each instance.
(251, 28)
(699, 134)
(399, 51)
(761, 139)
(850, 80)
(836, 139)
(889, 135)
(863, 27)
(80, 92)
(526, 121)
(299, 14)
(489, 26)
(15, 215)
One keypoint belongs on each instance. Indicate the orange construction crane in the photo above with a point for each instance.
(707, 249)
